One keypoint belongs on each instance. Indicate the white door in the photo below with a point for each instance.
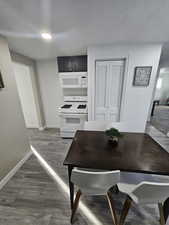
(109, 80)
(26, 95)
(101, 98)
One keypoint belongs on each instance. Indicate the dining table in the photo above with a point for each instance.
(135, 152)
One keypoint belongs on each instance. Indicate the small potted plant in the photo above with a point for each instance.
(113, 135)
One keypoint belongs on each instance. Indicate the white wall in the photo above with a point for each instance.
(135, 100)
(50, 90)
(26, 94)
(13, 135)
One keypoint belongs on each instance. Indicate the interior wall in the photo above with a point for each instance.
(13, 135)
(50, 90)
(136, 101)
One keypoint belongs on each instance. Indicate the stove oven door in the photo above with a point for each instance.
(70, 123)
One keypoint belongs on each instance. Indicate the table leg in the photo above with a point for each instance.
(166, 209)
(71, 186)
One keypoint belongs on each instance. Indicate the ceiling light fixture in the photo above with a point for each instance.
(46, 36)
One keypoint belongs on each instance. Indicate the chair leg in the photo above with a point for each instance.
(125, 210)
(75, 205)
(116, 189)
(112, 209)
(162, 219)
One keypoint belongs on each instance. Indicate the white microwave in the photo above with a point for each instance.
(73, 80)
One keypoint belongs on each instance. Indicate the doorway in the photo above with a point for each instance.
(160, 108)
(23, 79)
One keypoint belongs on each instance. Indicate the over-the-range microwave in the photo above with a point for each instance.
(73, 79)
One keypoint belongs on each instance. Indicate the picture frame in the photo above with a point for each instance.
(142, 76)
(1, 81)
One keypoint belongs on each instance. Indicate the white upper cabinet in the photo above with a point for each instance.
(108, 89)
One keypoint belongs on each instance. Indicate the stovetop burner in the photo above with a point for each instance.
(66, 106)
(81, 106)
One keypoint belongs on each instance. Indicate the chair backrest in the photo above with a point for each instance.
(94, 182)
(103, 125)
(150, 192)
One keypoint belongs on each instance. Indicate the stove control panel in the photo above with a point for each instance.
(75, 98)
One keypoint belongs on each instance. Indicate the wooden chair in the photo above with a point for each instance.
(146, 192)
(96, 182)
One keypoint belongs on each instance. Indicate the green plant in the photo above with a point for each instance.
(113, 132)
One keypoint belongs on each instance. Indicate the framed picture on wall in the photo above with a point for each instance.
(142, 76)
(1, 81)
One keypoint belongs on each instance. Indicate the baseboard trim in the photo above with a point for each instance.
(15, 169)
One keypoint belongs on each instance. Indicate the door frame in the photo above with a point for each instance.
(34, 90)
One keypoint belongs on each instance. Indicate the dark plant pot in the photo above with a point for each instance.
(113, 141)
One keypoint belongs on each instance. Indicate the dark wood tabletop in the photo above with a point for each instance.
(135, 152)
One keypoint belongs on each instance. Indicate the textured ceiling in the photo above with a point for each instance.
(76, 24)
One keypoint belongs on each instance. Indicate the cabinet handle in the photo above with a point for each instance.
(83, 77)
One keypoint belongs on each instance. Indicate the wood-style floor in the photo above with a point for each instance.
(32, 197)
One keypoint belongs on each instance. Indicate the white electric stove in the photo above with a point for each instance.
(73, 114)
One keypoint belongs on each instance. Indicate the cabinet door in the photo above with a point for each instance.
(65, 64)
(101, 98)
(109, 78)
(115, 81)
(72, 63)
(79, 63)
